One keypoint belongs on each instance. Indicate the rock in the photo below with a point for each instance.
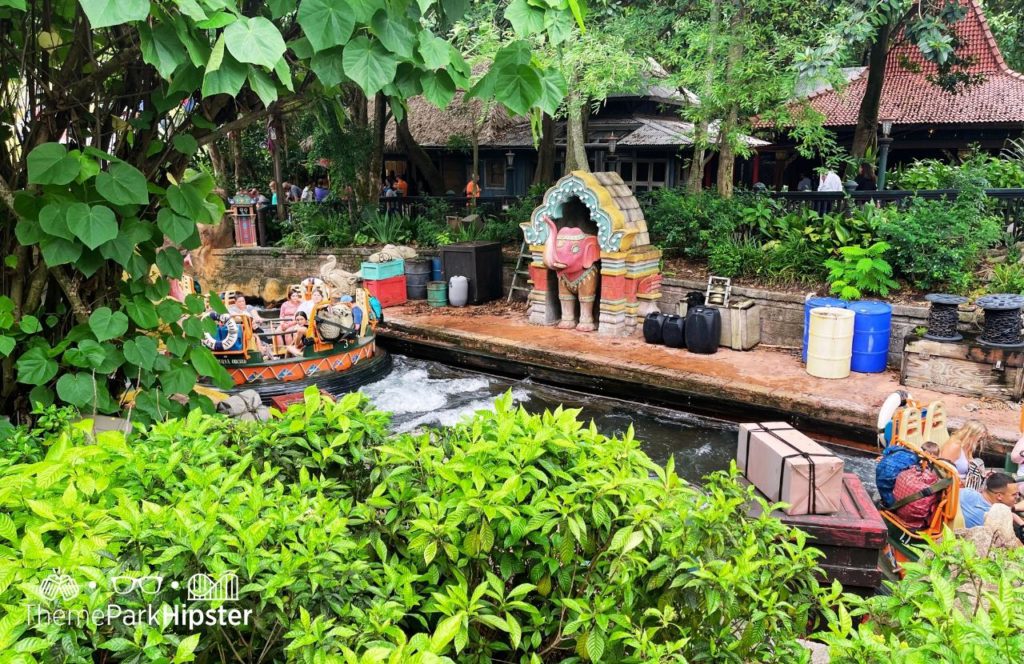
(274, 290)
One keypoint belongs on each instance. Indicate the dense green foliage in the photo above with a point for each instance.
(927, 243)
(937, 244)
(135, 88)
(953, 606)
(513, 537)
(980, 170)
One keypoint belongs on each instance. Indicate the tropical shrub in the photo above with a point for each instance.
(861, 270)
(937, 243)
(316, 226)
(984, 170)
(690, 224)
(1007, 278)
(733, 257)
(953, 606)
(512, 537)
(386, 227)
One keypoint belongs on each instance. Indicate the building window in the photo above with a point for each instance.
(643, 174)
(494, 174)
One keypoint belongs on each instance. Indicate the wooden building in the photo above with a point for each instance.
(928, 122)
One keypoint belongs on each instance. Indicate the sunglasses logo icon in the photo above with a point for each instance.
(147, 585)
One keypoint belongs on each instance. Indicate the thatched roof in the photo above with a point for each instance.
(434, 128)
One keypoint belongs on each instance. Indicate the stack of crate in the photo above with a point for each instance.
(386, 281)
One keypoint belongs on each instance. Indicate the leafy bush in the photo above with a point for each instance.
(386, 227)
(1007, 278)
(861, 270)
(690, 224)
(938, 243)
(316, 226)
(734, 257)
(952, 607)
(513, 537)
(982, 169)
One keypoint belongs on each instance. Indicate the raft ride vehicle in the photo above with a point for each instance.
(333, 349)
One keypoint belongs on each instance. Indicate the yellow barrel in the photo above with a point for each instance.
(830, 342)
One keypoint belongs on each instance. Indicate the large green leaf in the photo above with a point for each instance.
(105, 13)
(54, 220)
(92, 225)
(554, 90)
(179, 379)
(88, 354)
(35, 367)
(174, 226)
(76, 389)
(279, 8)
(525, 19)
(326, 23)
(191, 9)
(6, 345)
(141, 351)
(262, 85)
(438, 88)
(161, 47)
(369, 64)
(517, 87)
(89, 262)
(123, 184)
(207, 365)
(363, 10)
(227, 79)
(119, 249)
(186, 200)
(58, 251)
(185, 144)
(394, 33)
(28, 232)
(170, 262)
(255, 41)
(434, 51)
(50, 163)
(142, 312)
(107, 324)
(328, 68)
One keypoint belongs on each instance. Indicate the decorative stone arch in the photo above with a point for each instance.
(630, 276)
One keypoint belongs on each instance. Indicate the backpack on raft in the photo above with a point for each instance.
(916, 495)
(895, 459)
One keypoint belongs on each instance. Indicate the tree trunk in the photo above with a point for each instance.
(372, 191)
(217, 161)
(235, 141)
(695, 176)
(419, 158)
(545, 173)
(575, 139)
(726, 154)
(867, 118)
(726, 142)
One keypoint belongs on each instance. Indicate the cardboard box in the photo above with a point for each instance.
(788, 467)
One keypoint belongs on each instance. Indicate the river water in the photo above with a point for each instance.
(420, 393)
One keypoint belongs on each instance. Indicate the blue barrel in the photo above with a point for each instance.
(814, 303)
(435, 269)
(871, 326)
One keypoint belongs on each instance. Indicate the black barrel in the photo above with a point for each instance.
(694, 298)
(703, 329)
(417, 274)
(672, 331)
(652, 327)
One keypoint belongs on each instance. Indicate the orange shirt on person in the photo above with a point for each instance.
(402, 186)
(472, 190)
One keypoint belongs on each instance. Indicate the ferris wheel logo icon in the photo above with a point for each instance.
(202, 587)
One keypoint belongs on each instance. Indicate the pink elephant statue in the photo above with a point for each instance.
(573, 255)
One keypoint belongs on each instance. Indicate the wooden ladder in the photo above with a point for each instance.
(522, 274)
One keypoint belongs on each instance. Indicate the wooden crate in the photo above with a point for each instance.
(963, 367)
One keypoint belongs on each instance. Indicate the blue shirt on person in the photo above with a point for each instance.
(974, 507)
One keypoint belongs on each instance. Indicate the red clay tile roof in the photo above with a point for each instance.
(909, 98)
